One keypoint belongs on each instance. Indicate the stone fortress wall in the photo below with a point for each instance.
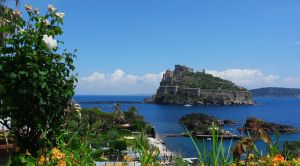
(237, 96)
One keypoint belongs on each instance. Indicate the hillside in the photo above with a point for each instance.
(203, 81)
(275, 92)
(184, 86)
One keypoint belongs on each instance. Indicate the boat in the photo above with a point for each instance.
(188, 105)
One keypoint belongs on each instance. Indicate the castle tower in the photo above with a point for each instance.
(180, 68)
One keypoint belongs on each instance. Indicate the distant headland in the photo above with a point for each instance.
(275, 92)
(184, 86)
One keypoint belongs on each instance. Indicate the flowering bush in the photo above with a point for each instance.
(277, 160)
(37, 78)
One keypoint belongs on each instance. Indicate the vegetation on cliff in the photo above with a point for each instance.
(204, 81)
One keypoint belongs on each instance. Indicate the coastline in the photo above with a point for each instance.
(166, 156)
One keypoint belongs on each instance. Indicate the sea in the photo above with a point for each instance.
(165, 118)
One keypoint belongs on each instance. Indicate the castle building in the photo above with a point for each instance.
(170, 76)
(180, 68)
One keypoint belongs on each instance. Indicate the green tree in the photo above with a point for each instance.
(37, 79)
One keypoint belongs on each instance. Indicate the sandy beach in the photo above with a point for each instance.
(166, 156)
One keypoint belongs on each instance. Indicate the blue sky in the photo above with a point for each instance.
(130, 39)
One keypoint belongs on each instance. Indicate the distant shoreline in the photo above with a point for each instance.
(111, 102)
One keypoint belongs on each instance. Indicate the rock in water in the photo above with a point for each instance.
(200, 124)
(254, 124)
(229, 122)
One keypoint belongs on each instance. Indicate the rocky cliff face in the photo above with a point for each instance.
(183, 86)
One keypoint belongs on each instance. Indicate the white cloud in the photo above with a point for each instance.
(118, 82)
(249, 78)
(152, 78)
(94, 77)
(270, 79)
(121, 83)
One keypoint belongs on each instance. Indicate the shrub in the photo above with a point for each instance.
(37, 79)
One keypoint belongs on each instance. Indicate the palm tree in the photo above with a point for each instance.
(119, 116)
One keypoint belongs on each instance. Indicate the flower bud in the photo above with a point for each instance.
(16, 13)
(51, 8)
(28, 7)
(60, 15)
(36, 11)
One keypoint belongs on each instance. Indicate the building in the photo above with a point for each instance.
(180, 68)
(2, 127)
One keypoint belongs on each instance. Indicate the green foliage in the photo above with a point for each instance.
(291, 149)
(178, 161)
(206, 81)
(68, 150)
(37, 82)
(100, 130)
(23, 160)
(217, 155)
(6, 137)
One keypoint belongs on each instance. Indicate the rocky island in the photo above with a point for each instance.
(184, 86)
(254, 124)
(200, 124)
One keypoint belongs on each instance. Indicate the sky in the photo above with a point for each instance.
(124, 46)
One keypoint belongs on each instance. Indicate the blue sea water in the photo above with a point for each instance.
(165, 117)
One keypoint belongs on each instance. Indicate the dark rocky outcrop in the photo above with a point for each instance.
(184, 86)
(229, 122)
(254, 124)
(200, 124)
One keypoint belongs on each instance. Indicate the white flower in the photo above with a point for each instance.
(16, 13)
(60, 15)
(36, 11)
(28, 7)
(47, 22)
(44, 21)
(7, 20)
(51, 8)
(50, 42)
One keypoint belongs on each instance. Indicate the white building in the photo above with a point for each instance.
(2, 127)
